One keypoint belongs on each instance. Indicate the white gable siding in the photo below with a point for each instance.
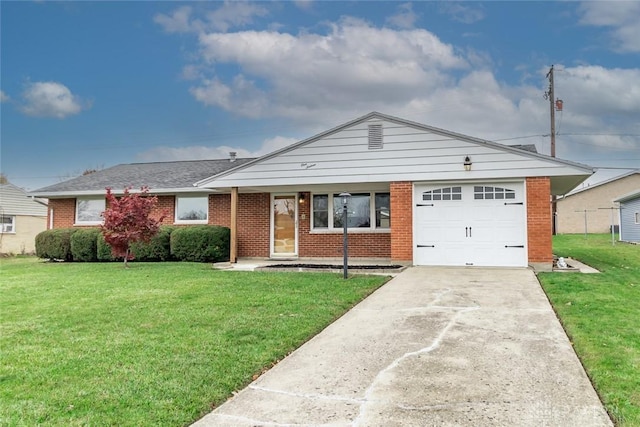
(408, 154)
(14, 201)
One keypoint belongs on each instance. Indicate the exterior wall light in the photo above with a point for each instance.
(467, 163)
(301, 198)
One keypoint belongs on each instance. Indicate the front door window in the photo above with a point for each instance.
(284, 225)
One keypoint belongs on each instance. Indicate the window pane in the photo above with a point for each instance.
(382, 205)
(7, 224)
(192, 208)
(358, 209)
(320, 211)
(320, 219)
(90, 210)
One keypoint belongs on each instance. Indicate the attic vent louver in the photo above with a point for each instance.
(375, 137)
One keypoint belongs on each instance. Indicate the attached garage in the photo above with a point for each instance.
(470, 224)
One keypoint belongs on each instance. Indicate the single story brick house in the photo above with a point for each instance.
(629, 216)
(419, 195)
(591, 205)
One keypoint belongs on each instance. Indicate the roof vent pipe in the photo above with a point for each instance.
(232, 156)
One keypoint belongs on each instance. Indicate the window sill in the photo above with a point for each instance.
(197, 222)
(351, 231)
(87, 224)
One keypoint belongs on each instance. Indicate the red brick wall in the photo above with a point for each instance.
(329, 245)
(166, 205)
(253, 224)
(401, 221)
(64, 212)
(539, 219)
(220, 209)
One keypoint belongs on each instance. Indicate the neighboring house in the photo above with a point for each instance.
(21, 219)
(419, 195)
(629, 217)
(591, 204)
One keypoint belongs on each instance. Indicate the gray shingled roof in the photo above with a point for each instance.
(156, 176)
(526, 147)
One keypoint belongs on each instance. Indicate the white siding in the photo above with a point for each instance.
(409, 154)
(14, 201)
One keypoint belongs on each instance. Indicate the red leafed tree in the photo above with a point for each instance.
(127, 220)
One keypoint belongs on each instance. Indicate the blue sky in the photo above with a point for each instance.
(93, 84)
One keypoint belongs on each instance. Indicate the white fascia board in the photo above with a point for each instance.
(88, 193)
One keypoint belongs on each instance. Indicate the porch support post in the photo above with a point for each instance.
(233, 256)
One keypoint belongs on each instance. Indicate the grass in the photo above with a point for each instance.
(601, 314)
(155, 344)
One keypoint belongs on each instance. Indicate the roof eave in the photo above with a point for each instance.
(88, 193)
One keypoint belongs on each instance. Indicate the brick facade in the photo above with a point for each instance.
(63, 211)
(539, 220)
(401, 221)
(254, 227)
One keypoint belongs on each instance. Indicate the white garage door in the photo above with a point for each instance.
(480, 224)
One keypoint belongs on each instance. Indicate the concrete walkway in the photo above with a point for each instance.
(433, 347)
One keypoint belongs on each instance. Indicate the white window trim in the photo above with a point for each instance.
(190, 221)
(13, 225)
(78, 222)
(352, 230)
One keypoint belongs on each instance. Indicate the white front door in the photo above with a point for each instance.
(284, 226)
(480, 224)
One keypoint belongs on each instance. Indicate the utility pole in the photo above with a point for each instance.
(552, 109)
(550, 95)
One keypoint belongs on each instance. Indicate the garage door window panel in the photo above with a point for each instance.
(481, 192)
(447, 193)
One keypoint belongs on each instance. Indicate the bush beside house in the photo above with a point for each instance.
(204, 243)
(201, 243)
(55, 244)
(84, 245)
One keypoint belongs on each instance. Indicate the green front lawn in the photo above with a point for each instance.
(155, 344)
(601, 314)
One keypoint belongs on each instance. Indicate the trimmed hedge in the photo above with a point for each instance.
(157, 249)
(202, 243)
(55, 244)
(104, 250)
(84, 245)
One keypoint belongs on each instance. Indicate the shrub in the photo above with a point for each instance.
(84, 244)
(157, 249)
(55, 244)
(104, 250)
(206, 243)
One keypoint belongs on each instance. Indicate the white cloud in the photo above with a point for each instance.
(50, 99)
(234, 14)
(4, 97)
(178, 22)
(231, 14)
(462, 13)
(621, 16)
(405, 18)
(198, 152)
(354, 64)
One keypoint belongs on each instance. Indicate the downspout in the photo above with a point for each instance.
(50, 218)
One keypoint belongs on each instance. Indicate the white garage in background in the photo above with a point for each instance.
(472, 224)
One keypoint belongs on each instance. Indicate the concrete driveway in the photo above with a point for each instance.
(433, 347)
